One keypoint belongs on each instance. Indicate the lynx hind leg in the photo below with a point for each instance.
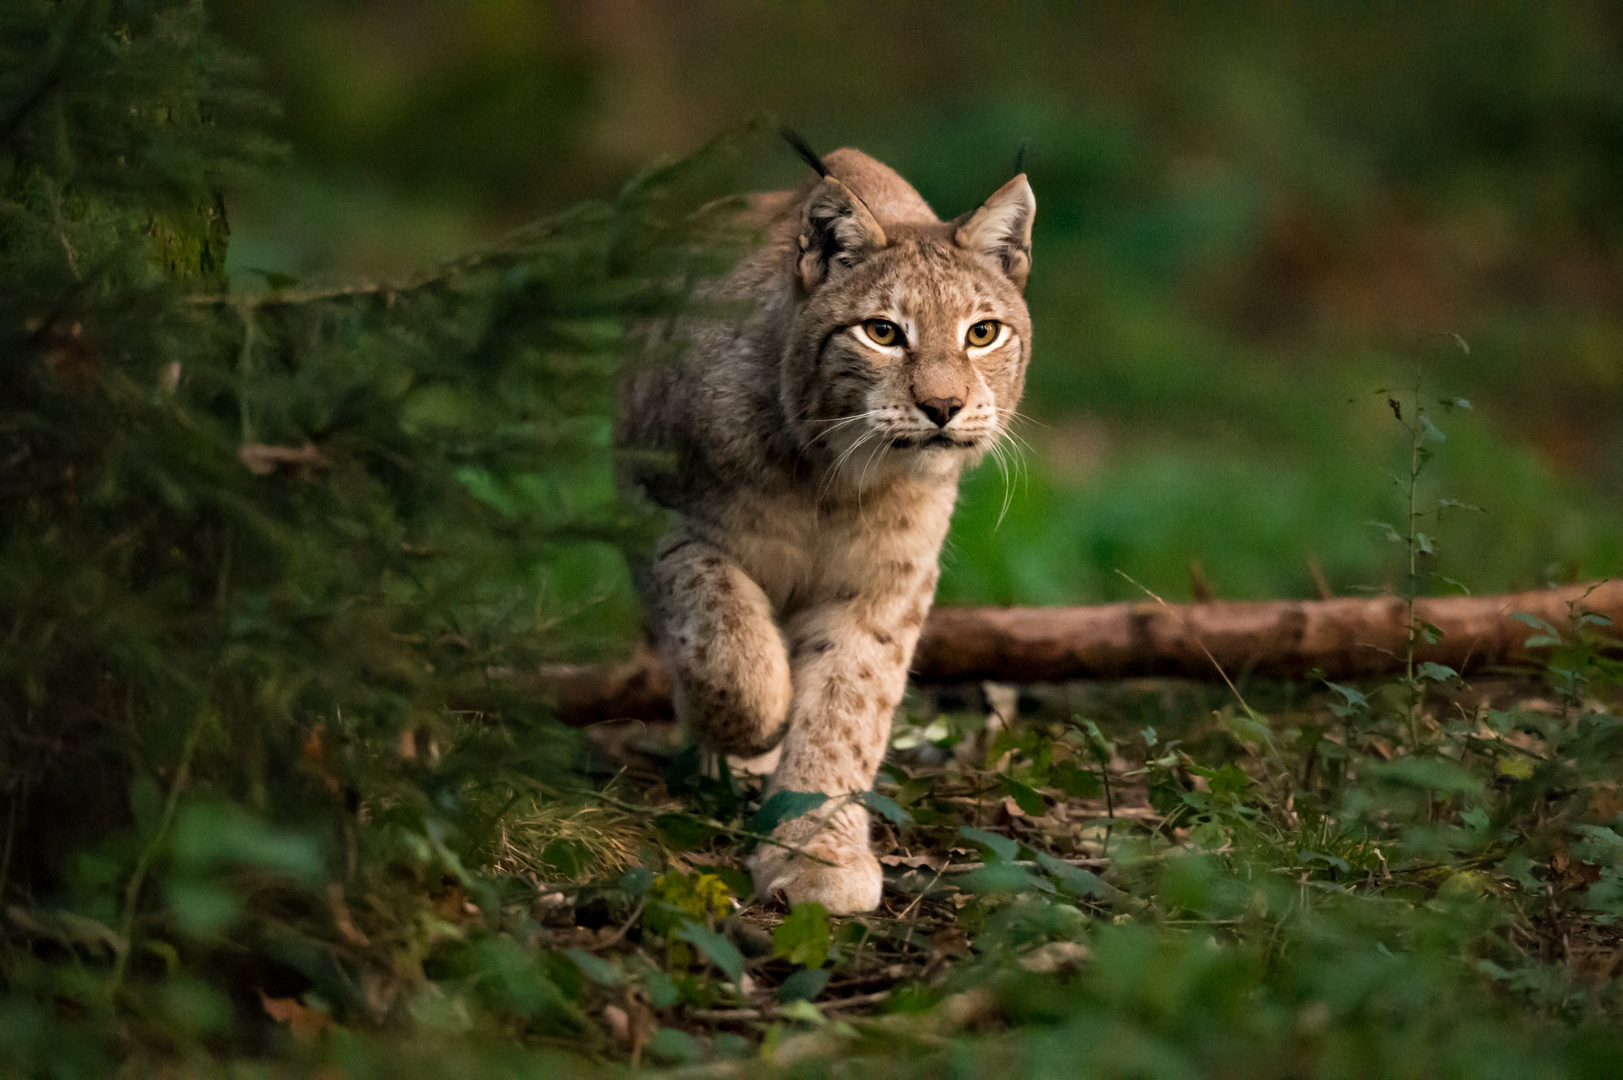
(729, 663)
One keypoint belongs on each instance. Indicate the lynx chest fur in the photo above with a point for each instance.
(809, 438)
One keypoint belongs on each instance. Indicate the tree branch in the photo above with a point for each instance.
(1343, 638)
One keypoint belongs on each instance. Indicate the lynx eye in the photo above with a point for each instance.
(982, 333)
(883, 332)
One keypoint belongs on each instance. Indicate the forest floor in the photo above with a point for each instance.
(1026, 831)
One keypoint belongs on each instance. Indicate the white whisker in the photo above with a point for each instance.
(1008, 485)
(878, 453)
(837, 421)
(839, 462)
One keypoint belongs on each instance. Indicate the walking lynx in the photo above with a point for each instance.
(809, 436)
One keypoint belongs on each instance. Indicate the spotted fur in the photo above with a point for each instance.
(812, 484)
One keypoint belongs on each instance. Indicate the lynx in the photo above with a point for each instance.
(809, 438)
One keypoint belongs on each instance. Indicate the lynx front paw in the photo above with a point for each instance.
(848, 881)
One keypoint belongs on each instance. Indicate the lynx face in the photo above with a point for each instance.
(909, 352)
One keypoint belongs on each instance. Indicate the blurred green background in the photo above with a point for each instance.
(1250, 221)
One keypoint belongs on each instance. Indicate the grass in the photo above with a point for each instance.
(1129, 879)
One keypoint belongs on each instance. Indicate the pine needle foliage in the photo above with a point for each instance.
(268, 562)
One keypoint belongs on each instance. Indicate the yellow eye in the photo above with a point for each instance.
(882, 332)
(982, 333)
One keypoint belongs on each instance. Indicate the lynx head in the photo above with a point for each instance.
(910, 337)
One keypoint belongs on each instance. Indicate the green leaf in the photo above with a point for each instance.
(998, 848)
(915, 789)
(1352, 701)
(1252, 727)
(1424, 544)
(210, 834)
(727, 1046)
(1073, 879)
(662, 990)
(635, 882)
(1003, 742)
(804, 985)
(1436, 672)
(673, 1047)
(1076, 782)
(195, 1006)
(1427, 773)
(886, 807)
(1307, 858)
(596, 968)
(1519, 868)
(781, 806)
(1003, 877)
(1166, 792)
(718, 949)
(1103, 748)
(803, 1010)
(1391, 533)
(803, 937)
(1230, 780)
(1534, 621)
(1025, 797)
(567, 858)
(682, 833)
(202, 908)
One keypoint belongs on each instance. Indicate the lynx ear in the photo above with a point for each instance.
(1001, 229)
(837, 231)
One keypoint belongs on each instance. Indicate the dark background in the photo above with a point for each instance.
(1250, 221)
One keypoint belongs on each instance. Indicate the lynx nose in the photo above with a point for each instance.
(941, 409)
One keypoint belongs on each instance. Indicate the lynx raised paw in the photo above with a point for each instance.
(853, 884)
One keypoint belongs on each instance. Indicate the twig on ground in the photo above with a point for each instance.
(625, 928)
(709, 823)
(724, 1016)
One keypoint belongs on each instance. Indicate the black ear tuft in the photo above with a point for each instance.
(1020, 158)
(804, 150)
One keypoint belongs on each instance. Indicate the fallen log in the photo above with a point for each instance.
(1342, 638)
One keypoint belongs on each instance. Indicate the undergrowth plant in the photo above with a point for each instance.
(1424, 439)
(280, 796)
(276, 569)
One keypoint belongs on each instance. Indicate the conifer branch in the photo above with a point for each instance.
(511, 247)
